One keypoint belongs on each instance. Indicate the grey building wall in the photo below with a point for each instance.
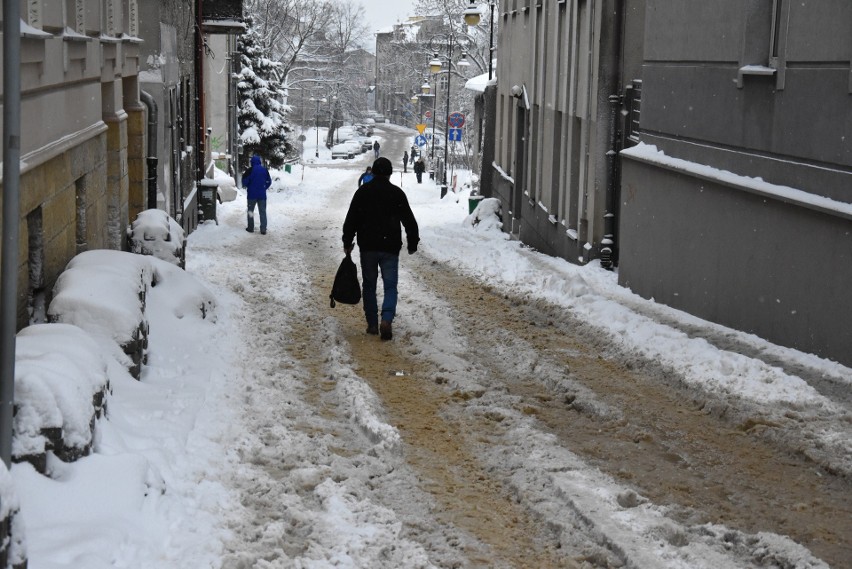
(761, 89)
(556, 126)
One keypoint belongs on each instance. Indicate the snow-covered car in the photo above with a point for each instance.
(347, 149)
(364, 129)
(365, 141)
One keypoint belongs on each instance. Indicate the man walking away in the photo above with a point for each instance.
(376, 147)
(405, 162)
(256, 180)
(374, 216)
(365, 177)
(419, 168)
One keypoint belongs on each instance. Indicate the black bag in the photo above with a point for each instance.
(346, 288)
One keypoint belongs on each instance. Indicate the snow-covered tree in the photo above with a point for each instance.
(263, 128)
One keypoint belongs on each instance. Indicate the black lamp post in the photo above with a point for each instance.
(316, 117)
(439, 44)
(471, 18)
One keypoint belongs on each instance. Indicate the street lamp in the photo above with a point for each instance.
(438, 44)
(318, 101)
(471, 18)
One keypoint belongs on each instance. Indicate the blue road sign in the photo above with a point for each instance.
(455, 134)
(420, 140)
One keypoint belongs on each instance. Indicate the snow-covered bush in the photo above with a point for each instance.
(61, 384)
(182, 295)
(13, 547)
(103, 292)
(155, 233)
(486, 216)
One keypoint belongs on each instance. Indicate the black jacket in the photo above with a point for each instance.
(375, 214)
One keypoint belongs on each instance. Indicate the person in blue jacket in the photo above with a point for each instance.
(366, 176)
(256, 180)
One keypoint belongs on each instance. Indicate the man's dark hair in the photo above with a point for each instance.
(382, 167)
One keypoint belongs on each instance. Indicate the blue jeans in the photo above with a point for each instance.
(261, 208)
(371, 263)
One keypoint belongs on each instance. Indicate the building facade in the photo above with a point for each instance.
(168, 81)
(82, 145)
(555, 124)
(737, 206)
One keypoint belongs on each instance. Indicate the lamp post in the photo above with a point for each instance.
(439, 44)
(471, 18)
(316, 119)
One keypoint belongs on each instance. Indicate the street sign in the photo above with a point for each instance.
(428, 114)
(455, 134)
(420, 128)
(456, 120)
(420, 140)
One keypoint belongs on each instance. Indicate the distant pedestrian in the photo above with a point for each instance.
(413, 153)
(374, 217)
(419, 168)
(366, 176)
(256, 180)
(376, 147)
(405, 161)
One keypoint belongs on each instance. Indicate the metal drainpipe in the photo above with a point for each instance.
(11, 212)
(608, 244)
(151, 104)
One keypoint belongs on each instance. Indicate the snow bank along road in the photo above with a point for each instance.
(495, 430)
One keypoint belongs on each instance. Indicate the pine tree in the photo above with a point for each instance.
(261, 115)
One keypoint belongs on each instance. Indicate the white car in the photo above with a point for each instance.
(365, 141)
(342, 150)
(347, 149)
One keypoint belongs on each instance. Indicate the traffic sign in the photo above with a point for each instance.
(428, 114)
(456, 120)
(420, 140)
(455, 134)
(420, 128)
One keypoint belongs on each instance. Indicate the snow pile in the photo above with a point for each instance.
(486, 216)
(13, 546)
(144, 497)
(60, 389)
(155, 233)
(103, 292)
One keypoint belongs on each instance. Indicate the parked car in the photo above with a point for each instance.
(356, 143)
(343, 151)
(365, 141)
(364, 129)
(347, 150)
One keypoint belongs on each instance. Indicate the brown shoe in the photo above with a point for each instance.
(386, 330)
(373, 329)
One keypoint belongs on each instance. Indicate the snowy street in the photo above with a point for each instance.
(498, 429)
(527, 413)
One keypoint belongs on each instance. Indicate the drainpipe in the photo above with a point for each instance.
(608, 243)
(200, 129)
(11, 212)
(151, 104)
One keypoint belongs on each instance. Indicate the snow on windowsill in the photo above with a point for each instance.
(27, 31)
(650, 154)
(503, 173)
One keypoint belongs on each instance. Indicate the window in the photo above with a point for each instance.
(82, 207)
(775, 37)
(36, 292)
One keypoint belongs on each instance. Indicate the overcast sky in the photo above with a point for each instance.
(384, 13)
